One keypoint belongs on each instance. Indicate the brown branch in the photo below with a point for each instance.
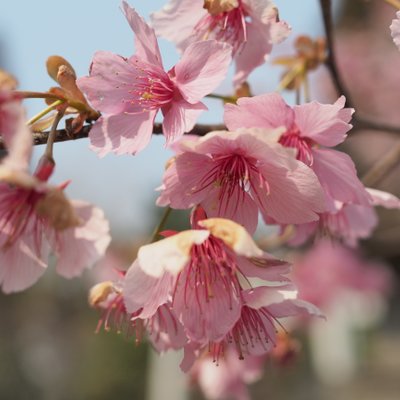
(360, 123)
(326, 8)
(382, 167)
(63, 136)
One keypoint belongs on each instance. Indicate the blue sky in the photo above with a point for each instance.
(30, 31)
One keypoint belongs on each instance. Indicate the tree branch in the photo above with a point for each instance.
(326, 8)
(63, 136)
(381, 168)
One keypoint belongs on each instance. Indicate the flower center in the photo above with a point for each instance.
(152, 88)
(224, 22)
(211, 269)
(303, 145)
(234, 175)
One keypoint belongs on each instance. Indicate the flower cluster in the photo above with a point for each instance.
(36, 218)
(210, 290)
(193, 290)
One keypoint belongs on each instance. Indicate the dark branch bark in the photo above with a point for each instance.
(326, 8)
(63, 136)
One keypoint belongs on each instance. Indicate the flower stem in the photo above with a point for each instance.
(298, 69)
(226, 99)
(161, 224)
(37, 95)
(44, 112)
(52, 135)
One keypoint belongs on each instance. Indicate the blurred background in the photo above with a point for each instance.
(48, 349)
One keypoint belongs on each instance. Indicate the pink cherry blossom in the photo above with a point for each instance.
(251, 27)
(199, 272)
(236, 174)
(130, 92)
(255, 332)
(329, 268)
(395, 30)
(37, 219)
(163, 329)
(347, 222)
(228, 379)
(307, 127)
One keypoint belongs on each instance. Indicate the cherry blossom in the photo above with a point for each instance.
(229, 378)
(251, 27)
(200, 271)
(329, 269)
(307, 128)
(130, 91)
(395, 30)
(236, 174)
(163, 329)
(37, 219)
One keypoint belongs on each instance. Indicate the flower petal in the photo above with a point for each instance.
(233, 235)
(170, 254)
(79, 248)
(146, 44)
(122, 133)
(21, 265)
(326, 124)
(265, 111)
(338, 176)
(180, 117)
(202, 68)
(142, 291)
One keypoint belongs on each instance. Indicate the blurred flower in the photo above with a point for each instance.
(395, 30)
(251, 27)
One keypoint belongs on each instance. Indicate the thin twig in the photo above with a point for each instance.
(161, 224)
(326, 8)
(381, 168)
(62, 135)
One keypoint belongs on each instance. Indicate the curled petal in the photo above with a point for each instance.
(233, 235)
(170, 254)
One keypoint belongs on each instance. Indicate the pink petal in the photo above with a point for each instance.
(206, 319)
(180, 117)
(145, 292)
(338, 176)
(180, 187)
(254, 52)
(268, 269)
(265, 111)
(294, 308)
(79, 248)
(384, 199)
(359, 223)
(202, 68)
(146, 44)
(170, 254)
(326, 124)
(264, 296)
(395, 30)
(122, 133)
(21, 265)
(295, 195)
(107, 87)
(190, 355)
(302, 233)
(175, 21)
(239, 207)
(165, 331)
